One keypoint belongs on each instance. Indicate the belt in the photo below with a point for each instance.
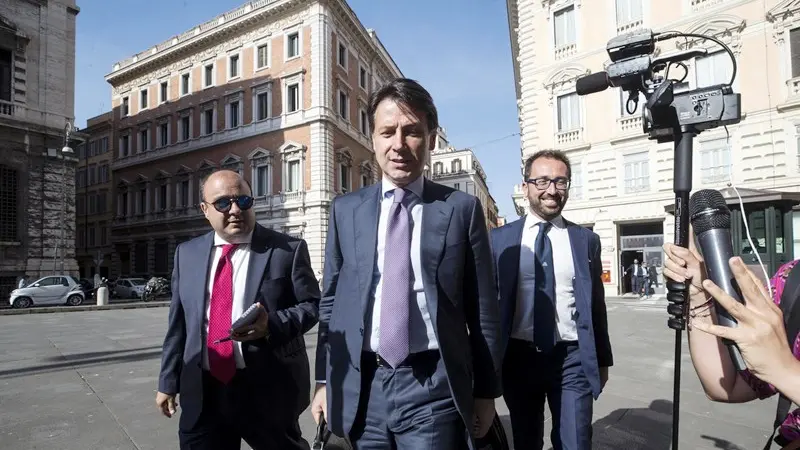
(530, 345)
(376, 360)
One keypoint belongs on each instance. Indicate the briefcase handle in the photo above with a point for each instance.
(319, 439)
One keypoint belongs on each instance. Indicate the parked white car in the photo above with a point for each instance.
(129, 287)
(52, 290)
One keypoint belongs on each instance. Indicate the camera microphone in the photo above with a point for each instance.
(711, 220)
(589, 84)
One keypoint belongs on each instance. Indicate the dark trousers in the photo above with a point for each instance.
(530, 377)
(229, 415)
(636, 284)
(408, 407)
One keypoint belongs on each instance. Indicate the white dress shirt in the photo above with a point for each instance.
(564, 278)
(240, 259)
(421, 333)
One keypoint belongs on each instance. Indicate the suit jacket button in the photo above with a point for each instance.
(361, 330)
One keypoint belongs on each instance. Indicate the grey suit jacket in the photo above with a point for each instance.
(458, 279)
(279, 276)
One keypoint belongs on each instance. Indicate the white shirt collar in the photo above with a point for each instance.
(218, 240)
(532, 219)
(416, 186)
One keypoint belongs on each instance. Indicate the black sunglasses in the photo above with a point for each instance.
(223, 205)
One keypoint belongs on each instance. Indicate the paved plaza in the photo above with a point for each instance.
(86, 380)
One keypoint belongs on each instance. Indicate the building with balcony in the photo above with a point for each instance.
(93, 202)
(621, 181)
(275, 89)
(37, 78)
(460, 169)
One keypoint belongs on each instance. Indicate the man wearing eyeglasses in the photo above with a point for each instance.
(552, 301)
(250, 382)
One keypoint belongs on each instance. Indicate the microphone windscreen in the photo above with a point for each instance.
(708, 211)
(596, 82)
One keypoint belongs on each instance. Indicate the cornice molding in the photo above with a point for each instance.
(241, 26)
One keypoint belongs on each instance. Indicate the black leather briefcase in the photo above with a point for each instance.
(495, 439)
(325, 440)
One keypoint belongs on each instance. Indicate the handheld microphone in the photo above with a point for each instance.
(589, 84)
(711, 220)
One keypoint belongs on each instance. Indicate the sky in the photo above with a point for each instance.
(458, 49)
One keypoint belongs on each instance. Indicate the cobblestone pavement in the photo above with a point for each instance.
(87, 381)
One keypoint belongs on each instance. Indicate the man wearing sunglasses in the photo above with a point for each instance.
(250, 382)
(554, 313)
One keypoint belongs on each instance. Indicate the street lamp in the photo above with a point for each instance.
(65, 151)
(68, 129)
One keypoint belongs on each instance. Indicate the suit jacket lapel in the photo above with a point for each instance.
(260, 253)
(199, 259)
(580, 251)
(508, 264)
(436, 214)
(580, 262)
(365, 225)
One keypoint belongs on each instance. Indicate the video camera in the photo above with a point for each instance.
(669, 116)
(634, 69)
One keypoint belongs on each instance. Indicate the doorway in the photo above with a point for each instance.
(642, 242)
(626, 261)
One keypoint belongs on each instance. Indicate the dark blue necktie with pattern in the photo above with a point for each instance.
(544, 300)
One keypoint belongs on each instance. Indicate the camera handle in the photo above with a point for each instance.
(678, 293)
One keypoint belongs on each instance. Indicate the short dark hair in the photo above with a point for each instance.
(205, 178)
(558, 155)
(406, 92)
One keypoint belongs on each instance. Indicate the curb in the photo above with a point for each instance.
(68, 309)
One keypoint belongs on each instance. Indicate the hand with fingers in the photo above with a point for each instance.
(166, 403)
(259, 329)
(686, 265)
(760, 334)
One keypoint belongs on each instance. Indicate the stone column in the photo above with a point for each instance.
(51, 215)
(172, 243)
(151, 256)
(115, 262)
(132, 258)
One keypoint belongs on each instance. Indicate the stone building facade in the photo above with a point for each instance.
(622, 182)
(37, 191)
(276, 90)
(93, 201)
(461, 169)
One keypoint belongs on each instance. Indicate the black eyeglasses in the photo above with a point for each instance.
(542, 183)
(223, 205)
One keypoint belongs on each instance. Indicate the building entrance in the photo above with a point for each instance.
(642, 242)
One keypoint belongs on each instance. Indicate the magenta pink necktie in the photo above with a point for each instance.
(220, 356)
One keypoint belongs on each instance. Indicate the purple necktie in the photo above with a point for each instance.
(396, 277)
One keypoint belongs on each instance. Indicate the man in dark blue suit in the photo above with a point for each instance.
(255, 385)
(555, 328)
(409, 352)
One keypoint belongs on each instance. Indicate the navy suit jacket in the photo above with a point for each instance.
(279, 276)
(591, 318)
(459, 289)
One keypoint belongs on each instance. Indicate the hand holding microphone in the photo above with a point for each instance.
(687, 265)
(711, 220)
(760, 333)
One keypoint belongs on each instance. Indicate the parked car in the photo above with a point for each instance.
(129, 287)
(87, 286)
(51, 290)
